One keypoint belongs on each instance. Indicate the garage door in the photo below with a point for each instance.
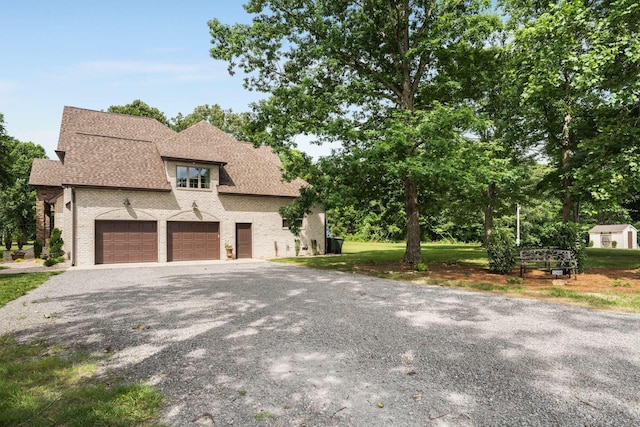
(188, 241)
(126, 241)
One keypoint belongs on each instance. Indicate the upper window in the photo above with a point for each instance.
(192, 177)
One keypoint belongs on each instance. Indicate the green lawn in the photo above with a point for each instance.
(362, 253)
(357, 255)
(613, 258)
(44, 385)
(13, 286)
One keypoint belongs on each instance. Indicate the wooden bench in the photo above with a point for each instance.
(548, 259)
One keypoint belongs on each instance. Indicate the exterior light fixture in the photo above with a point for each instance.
(194, 205)
(126, 202)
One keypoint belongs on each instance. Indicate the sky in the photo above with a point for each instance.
(92, 54)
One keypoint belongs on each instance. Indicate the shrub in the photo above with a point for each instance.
(37, 248)
(567, 236)
(614, 244)
(53, 261)
(501, 251)
(8, 241)
(421, 266)
(591, 243)
(297, 246)
(55, 244)
(314, 246)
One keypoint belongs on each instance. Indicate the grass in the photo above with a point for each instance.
(45, 386)
(42, 385)
(13, 286)
(364, 253)
(357, 255)
(613, 258)
(591, 300)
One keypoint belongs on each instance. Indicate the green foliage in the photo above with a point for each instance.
(53, 261)
(383, 84)
(232, 123)
(18, 199)
(422, 266)
(567, 236)
(140, 108)
(8, 240)
(501, 251)
(314, 246)
(37, 248)
(614, 244)
(618, 283)
(55, 244)
(591, 243)
(297, 246)
(515, 281)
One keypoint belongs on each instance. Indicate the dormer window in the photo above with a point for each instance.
(193, 177)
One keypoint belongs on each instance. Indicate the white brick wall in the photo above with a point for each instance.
(261, 212)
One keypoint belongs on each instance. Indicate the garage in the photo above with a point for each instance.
(126, 241)
(193, 241)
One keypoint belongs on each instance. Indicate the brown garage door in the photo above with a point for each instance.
(126, 241)
(188, 241)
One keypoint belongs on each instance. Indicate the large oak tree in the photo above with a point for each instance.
(368, 73)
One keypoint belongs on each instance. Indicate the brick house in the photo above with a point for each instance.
(129, 189)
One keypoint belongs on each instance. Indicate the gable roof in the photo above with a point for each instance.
(100, 149)
(616, 228)
(48, 173)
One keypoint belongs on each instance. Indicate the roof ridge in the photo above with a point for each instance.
(117, 114)
(115, 137)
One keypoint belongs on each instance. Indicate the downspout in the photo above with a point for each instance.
(73, 227)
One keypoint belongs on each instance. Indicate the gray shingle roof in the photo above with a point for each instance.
(114, 150)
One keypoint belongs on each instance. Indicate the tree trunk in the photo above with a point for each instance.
(567, 204)
(413, 252)
(488, 212)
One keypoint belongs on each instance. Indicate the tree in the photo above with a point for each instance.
(18, 200)
(368, 74)
(232, 123)
(139, 108)
(579, 62)
(5, 163)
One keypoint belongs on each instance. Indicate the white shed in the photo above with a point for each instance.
(625, 236)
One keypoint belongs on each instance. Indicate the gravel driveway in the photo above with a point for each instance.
(267, 344)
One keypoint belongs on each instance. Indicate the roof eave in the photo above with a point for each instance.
(184, 159)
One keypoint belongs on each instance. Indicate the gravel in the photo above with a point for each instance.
(268, 344)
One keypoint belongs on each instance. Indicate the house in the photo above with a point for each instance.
(625, 236)
(129, 189)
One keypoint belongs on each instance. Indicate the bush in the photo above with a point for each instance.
(37, 248)
(297, 246)
(501, 251)
(55, 244)
(614, 244)
(421, 266)
(591, 243)
(53, 261)
(568, 236)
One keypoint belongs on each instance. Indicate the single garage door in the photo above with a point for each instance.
(126, 241)
(189, 241)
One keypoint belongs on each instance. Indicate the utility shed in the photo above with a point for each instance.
(625, 236)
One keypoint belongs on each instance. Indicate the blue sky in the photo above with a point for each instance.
(93, 55)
